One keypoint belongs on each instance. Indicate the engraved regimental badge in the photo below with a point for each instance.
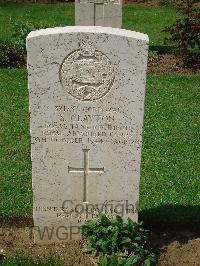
(87, 74)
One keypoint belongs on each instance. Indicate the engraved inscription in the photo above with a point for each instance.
(87, 74)
(86, 170)
(82, 211)
(89, 125)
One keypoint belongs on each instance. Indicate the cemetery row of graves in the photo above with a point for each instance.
(169, 195)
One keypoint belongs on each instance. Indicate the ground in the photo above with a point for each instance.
(170, 187)
(172, 248)
(168, 64)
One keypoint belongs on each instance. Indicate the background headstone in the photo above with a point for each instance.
(86, 89)
(106, 13)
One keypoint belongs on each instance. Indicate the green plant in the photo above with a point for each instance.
(166, 2)
(10, 56)
(21, 30)
(13, 52)
(186, 31)
(116, 242)
(153, 56)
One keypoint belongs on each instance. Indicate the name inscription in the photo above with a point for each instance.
(87, 125)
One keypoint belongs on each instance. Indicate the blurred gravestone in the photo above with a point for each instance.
(106, 13)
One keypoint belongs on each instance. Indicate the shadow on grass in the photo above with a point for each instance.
(160, 219)
(1, 258)
(172, 217)
(172, 226)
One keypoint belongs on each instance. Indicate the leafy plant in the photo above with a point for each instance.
(13, 52)
(10, 56)
(166, 2)
(186, 31)
(153, 56)
(21, 30)
(116, 242)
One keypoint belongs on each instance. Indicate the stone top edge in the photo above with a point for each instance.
(89, 29)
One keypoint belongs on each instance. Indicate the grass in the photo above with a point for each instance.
(150, 20)
(15, 190)
(170, 187)
(25, 260)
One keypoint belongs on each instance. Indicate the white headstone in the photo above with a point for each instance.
(86, 89)
(105, 13)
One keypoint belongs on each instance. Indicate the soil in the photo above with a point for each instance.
(177, 248)
(173, 249)
(15, 239)
(169, 64)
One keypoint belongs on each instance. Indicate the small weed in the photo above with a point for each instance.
(153, 56)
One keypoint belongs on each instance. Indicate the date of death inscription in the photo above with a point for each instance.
(87, 126)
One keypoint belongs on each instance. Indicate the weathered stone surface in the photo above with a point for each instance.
(86, 89)
(105, 13)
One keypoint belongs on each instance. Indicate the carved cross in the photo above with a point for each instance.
(86, 170)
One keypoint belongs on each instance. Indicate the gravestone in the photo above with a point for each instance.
(86, 96)
(106, 13)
